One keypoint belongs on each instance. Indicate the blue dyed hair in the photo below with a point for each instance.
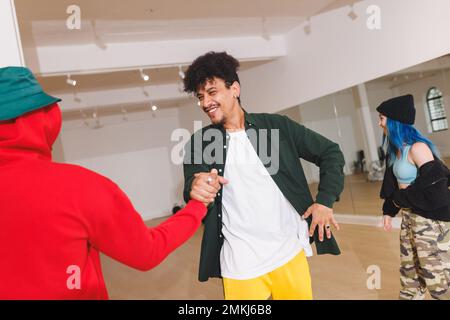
(399, 134)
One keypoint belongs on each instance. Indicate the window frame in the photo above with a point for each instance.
(428, 99)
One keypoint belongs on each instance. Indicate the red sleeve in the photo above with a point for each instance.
(116, 229)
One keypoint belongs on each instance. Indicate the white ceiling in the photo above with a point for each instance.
(147, 20)
(42, 23)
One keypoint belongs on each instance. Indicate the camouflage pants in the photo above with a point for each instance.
(425, 257)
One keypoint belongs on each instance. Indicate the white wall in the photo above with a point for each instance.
(340, 53)
(11, 48)
(134, 153)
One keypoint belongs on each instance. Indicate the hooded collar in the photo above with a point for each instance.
(30, 136)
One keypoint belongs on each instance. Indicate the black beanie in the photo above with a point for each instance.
(399, 108)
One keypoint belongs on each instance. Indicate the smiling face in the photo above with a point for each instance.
(218, 101)
(383, 123)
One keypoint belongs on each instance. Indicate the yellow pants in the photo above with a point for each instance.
(291, 281)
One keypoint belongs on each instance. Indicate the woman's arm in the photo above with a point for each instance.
(431, 175)
(421, 154)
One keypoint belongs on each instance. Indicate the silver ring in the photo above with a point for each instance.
(209, 180)
(327, 226)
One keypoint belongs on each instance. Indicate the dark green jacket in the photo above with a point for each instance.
(295, 141)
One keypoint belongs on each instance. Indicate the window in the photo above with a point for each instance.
(436, 110)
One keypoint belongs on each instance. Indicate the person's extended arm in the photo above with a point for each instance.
(115, 228)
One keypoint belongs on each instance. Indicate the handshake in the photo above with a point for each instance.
(206, 185)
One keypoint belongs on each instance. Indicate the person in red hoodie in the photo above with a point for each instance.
(56, 218)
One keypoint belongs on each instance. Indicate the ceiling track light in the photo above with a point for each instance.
(70, 81)
(154, 108)
(144, 76)
(181, 73)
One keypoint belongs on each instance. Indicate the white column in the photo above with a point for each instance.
(11, 46)
(370, 142)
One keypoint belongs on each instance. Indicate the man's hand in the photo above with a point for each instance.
(206, 185)
(322, 217)
(387, 223)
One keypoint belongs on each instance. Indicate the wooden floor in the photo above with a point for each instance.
(334, 277)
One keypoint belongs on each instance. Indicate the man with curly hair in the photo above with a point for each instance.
(259, 227)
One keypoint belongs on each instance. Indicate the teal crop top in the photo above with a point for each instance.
(404, 171)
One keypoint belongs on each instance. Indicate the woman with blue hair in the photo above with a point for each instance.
(416, 182)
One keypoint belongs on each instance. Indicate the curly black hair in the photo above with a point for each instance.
(212, 64)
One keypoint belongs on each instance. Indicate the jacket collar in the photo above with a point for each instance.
(249, 118)
(249, 121)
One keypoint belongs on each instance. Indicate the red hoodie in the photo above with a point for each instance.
(56, 218)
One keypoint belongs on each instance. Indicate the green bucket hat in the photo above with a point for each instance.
(21, 93)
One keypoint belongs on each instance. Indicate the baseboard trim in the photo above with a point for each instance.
(373, 221)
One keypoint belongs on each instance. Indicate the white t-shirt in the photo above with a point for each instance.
(262, 230)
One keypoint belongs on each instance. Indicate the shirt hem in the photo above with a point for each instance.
(265, 270)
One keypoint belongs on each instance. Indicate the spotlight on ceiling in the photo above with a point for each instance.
(70, 81)
(144, 76)
(181, 73)
(154, 108)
